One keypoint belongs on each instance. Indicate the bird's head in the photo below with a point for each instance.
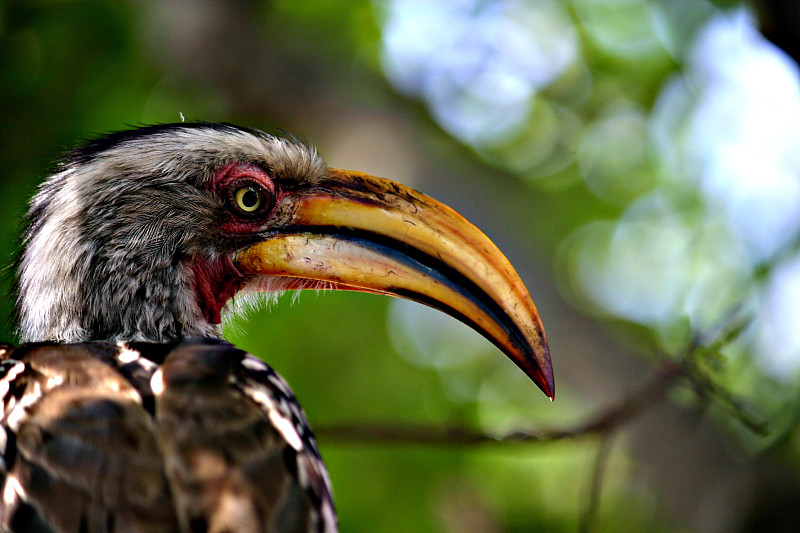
(146, 235)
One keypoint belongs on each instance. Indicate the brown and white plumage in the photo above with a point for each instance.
(199, 437)
(123, 411)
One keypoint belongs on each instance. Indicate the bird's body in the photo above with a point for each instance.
(223, 446)
(123, 411)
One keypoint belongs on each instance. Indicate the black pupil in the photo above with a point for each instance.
(250, 198)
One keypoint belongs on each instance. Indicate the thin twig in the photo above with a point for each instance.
(692, 368)
(596, 484)
(608, 419)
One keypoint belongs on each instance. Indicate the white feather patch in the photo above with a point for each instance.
(20, 410)
(157, 382)
(286, 428)
(13, 491)
(283, 425)
(126, 355)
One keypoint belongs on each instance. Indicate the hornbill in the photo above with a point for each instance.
(123, 410)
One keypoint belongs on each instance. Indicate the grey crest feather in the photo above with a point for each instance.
(104, 255)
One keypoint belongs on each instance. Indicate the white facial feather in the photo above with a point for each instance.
(104, 257)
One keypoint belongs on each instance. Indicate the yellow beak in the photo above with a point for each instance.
(362, 233)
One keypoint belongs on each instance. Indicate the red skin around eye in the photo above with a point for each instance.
(217, 279)
(243, 173)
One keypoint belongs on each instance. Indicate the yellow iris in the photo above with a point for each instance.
(249, 198)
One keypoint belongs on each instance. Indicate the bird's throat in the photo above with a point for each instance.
(216, 280)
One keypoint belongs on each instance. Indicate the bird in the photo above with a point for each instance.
(123, 408)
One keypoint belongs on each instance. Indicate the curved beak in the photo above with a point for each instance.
(358, 232)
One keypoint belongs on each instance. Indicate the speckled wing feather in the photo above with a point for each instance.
(197, 437)
(238, 449)
(81, 453)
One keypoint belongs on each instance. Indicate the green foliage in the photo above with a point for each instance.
(580, 189)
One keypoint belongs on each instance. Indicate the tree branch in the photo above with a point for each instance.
(608, 419)
(596, 484)
(664, 378)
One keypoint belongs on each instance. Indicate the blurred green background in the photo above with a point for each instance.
(637, 160)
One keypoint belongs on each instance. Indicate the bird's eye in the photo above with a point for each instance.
(249, 198)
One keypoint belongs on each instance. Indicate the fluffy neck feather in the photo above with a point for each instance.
(84, 276)
(124, 242)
